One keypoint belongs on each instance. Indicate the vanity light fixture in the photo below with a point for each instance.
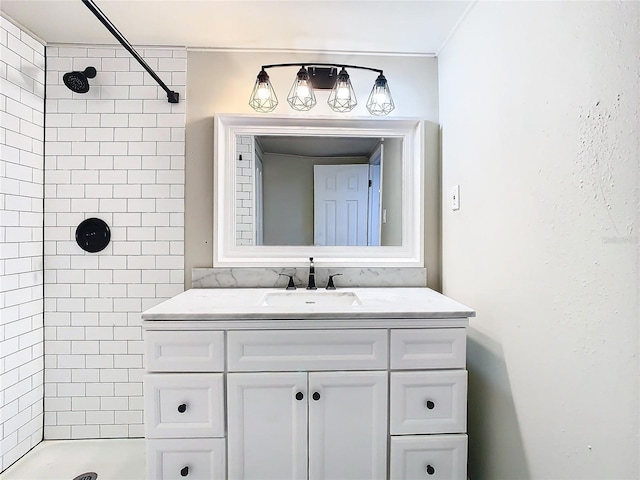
(321, 76)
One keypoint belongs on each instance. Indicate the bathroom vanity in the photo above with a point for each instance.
(357, 383)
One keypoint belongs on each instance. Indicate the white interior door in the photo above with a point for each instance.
(375, 195)
(340, 204)
(259, 202)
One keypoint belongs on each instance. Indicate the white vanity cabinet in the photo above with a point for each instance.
(245, 397)
(297, 425)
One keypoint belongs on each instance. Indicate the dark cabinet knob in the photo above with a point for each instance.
(429, 404)
(316, 396)
(184, 472)
(430, 470)
(299, 396)
(182, 408)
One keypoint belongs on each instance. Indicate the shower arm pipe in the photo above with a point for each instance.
(315, 64)
(172, 96)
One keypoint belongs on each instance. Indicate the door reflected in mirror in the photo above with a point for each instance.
(318, 190)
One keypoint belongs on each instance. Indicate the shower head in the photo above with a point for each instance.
(78, 81)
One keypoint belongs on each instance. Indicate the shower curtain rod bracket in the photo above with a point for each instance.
(172, 97)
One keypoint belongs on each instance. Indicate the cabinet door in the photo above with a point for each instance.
(267, 429)
(347, 425)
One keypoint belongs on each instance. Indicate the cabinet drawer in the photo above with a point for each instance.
(184, 405)
(184, 351)
(195, 459)
(428, 348)
(437, 457)
(307, 350)
(428, 402)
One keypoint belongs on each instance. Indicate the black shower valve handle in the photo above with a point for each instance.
(330, 284)
(290, 285)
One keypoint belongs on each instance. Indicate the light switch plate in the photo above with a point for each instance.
(455, 197)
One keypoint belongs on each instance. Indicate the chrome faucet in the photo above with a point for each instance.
(312, 276)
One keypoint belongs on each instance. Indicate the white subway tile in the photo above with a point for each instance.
(100, 362)
(85, 148)
(115, 64)
(71, 418)
(141, 290)
(129, 134)
(99, 134)
(113, 290)
(73, 105)
(95, 190)
(72, 52)
(142, 148)
(145, 92)
(142, 205)
(113, 148)
(99, 305)
(115, 318)
(114, 92)
(142, 120)
(85, 431)
(84, 262)
(128, 389)
(100, 106)
(71, 361)
(98, 418)
(115, 120)
(127, 162)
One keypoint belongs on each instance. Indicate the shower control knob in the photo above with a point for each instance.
(184, 472)
(429, 404)
(182, 407)
(430, 470)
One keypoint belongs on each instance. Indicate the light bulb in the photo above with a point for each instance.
(263, 91)
(303, 90)
(342, 92)
(381, 97)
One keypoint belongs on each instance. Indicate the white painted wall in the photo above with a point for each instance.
(21, 271)
(539, 115)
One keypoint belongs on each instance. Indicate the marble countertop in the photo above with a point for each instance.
(250, 303)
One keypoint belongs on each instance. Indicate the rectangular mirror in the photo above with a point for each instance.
(348, 192)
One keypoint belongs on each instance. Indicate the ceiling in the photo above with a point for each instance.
(318, 146)
(360, 26)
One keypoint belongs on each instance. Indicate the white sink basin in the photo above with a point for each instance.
(305, 297)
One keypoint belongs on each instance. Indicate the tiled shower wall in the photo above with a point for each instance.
(21, 188)
(244, 190)
(116, 153)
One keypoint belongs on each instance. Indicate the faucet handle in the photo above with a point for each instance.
(290, 285)
(330, 285)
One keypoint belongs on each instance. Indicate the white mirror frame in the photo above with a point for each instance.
(227, 254)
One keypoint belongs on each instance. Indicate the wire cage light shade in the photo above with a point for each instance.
(263, 98)
(342, 97)
(301, 96)
(380, 101)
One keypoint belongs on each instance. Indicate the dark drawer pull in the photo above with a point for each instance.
(184, 472)
(430, 470)
(316, 396)
(182, 408)
(299, 396)
(430, 405)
